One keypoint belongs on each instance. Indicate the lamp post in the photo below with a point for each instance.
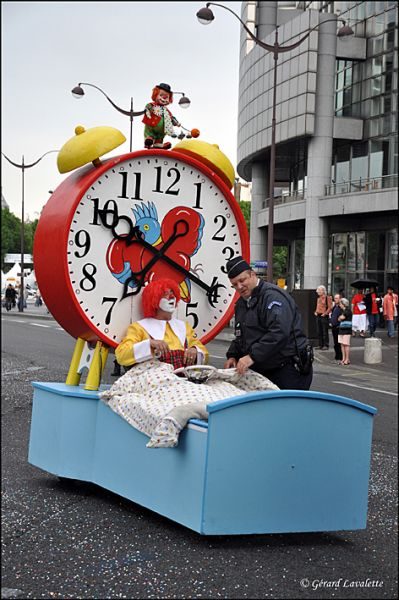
(24, 166)
(205, 16)
(78, 93)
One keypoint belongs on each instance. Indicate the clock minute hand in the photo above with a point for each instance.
(211, 291)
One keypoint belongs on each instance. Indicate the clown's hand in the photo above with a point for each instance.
(159, 347)
(190, 356)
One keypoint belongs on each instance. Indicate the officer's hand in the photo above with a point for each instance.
(244, 363)
(230, 363)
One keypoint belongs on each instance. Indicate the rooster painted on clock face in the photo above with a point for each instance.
(184, 226)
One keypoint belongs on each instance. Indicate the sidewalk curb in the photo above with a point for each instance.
(26, 314)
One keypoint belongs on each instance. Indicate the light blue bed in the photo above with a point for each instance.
(266, 462)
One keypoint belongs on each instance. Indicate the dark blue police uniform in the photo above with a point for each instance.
(264, 329)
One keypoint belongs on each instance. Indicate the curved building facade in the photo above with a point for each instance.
(335, 195)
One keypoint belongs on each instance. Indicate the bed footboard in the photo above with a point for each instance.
(287, 461)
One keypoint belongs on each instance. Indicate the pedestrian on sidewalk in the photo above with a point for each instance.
(345, 330)
(335, 313)
(390, 310)
(359, 320)
(370, 300)
(322, 314)
(10, 297)
(38, 299)
(269, 338)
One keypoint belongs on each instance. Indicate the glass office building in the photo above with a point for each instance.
(335, 193)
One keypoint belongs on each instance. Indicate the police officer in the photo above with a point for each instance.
(268, 332)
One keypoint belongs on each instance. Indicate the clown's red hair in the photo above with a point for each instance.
(153, 293)
(156, 91)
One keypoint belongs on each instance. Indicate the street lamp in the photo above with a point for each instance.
(23, 166)
(78, 93)
(206, 16)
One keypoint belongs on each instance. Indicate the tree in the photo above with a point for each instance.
(30, 229)
(11, 234)
(280, 253)
(280, 262)
(245, 206)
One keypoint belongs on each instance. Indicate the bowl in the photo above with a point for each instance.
(196, 373)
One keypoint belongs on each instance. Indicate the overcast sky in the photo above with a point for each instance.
(125, 48)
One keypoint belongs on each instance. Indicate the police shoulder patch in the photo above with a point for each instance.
(274, 303)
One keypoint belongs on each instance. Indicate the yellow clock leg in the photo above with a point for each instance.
(74, 376)
(104, 356)
(96, 367)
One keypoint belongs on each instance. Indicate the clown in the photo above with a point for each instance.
(159, 335)
(158, 120)
(150, 396)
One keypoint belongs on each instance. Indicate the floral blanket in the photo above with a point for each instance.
(154, 400)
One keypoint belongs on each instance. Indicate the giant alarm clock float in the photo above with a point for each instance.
(113, 226)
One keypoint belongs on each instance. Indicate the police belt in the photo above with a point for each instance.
(288, 361)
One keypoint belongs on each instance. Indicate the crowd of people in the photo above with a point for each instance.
(366, 311)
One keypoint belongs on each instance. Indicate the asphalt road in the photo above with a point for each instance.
(75, 540)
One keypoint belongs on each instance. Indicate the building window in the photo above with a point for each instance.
(359, 161)
(370, 254)
(356, 252)
(250, 22)
(392, 258)
(368, 90)
(343, 86)
(375, 251)
(342, 164)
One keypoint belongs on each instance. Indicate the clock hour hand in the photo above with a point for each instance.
(138, 277)
(211, 290)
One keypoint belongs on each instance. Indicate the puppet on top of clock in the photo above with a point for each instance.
(158, 119)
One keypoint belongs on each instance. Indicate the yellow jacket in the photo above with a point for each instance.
(135, 346)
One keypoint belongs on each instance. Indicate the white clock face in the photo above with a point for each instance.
(148, 217)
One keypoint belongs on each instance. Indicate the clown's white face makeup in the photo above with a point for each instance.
(168, 304)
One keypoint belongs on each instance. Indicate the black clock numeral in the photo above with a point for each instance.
(108, 317)
(101, 214)
(213, 293)
(231, 254)
(89, 277)
(136, 187)
(169, 174)
(192, 314)
(217, 237)
(124, 185)
(84, 243)
(198, 196)
(101, 217)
